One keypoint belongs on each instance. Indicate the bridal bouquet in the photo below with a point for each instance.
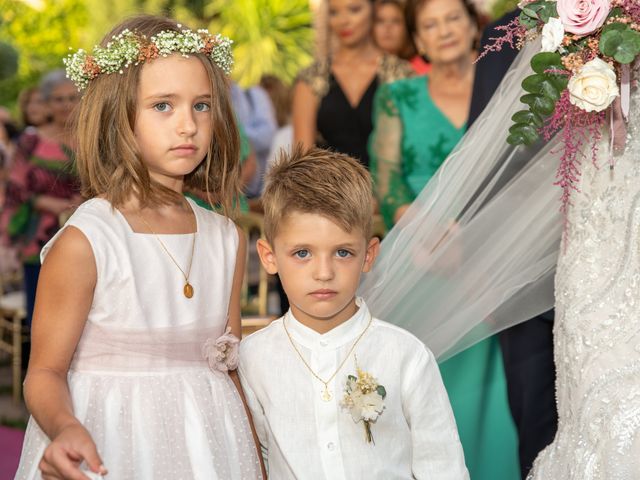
(581, 75)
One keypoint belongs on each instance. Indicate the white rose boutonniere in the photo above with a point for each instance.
(552, 35)
(364, 399)
(594, 86)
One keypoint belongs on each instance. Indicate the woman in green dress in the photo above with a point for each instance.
(417, 122)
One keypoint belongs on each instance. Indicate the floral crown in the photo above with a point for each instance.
(130, 48)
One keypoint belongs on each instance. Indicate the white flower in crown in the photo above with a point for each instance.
(552, 35)
(364, 400)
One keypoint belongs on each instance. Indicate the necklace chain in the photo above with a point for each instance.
(188, 288)
(326, 395)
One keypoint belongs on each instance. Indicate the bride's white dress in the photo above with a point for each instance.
(597, 327)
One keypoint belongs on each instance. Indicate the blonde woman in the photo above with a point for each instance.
(333, 98)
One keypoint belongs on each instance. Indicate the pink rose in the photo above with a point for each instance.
(583, 17)
(222, 353)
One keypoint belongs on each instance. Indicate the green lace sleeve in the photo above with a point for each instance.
(385, 152)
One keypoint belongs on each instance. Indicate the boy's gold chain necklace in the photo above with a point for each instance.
(326, 393)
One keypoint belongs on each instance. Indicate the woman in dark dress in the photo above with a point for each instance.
(333, 98)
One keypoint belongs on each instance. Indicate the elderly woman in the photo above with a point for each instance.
(42, 184)
(417, 122)
(333, 98)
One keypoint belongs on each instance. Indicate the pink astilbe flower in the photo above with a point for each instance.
(514, 34)
(630, 7)
(577, 128)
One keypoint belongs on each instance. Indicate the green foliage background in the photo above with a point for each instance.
(500, 7)
(271, 36)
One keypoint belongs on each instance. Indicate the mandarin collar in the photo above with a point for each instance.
(337, 337)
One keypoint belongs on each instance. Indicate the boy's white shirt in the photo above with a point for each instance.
(305, 437)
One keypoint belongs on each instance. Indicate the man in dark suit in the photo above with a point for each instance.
(527, 349)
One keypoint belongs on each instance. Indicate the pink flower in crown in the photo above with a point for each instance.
(222, 353)
(583, 17)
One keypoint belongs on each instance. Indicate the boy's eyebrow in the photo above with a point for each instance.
(297, 246)
(161, 96)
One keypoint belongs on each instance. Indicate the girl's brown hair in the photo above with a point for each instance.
(108, 159)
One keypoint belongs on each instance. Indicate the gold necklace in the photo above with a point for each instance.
(326, 394)
(187, 290)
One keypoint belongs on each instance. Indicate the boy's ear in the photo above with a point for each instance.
(373, 248)
(267, 256)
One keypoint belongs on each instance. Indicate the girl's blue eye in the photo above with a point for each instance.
(202, 107)
(302, 253)
(161, 107)
(342, 253)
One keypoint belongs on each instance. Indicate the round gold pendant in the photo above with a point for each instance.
(188, 290)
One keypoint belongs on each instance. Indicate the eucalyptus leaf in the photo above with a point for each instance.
(615, 12)
(548, 85)
(543, 61)
(527, 21)
(622, 45)
(381, 391)
(527, 116)
(549, 10)
(539, 104)
(520, 137)
(616, 26)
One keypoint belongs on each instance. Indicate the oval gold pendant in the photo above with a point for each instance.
(188, 290)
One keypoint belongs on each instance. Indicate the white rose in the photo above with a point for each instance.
(594, 86)
(371, 406)
(552, 35)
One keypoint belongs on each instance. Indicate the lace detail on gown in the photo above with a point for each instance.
(597, 329)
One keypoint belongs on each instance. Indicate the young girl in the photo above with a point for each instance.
(138, 287)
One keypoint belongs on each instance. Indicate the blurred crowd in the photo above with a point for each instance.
(362, 45)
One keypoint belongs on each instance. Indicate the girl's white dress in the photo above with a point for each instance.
(138, 379)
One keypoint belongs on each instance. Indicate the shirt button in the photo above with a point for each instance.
(331, 446)
(324, 343)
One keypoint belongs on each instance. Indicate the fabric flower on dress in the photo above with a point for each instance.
(594, 87)
(364, 400)
(222, 353)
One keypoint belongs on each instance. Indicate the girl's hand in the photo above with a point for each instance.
(68, 450)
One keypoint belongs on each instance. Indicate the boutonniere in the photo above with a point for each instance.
(364, 399)
(222, 353)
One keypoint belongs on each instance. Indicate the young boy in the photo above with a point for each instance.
(336, 394)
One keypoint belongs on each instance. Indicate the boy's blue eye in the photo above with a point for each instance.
(342, 253)
(161, 107)
(302, 253)
(202, 107)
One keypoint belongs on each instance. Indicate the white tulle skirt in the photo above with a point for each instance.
(183, 424)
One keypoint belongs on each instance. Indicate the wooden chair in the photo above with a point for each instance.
(12, 312)
(250, 223)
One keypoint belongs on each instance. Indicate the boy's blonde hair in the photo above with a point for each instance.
(109, 162)
(318, 181)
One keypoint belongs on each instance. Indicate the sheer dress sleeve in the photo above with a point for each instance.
(385, 151)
